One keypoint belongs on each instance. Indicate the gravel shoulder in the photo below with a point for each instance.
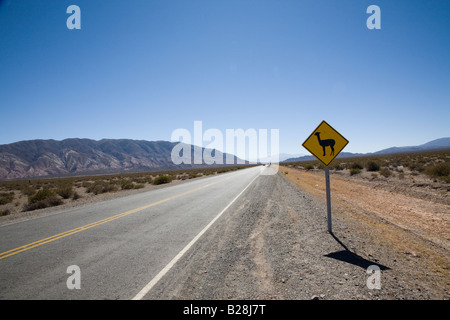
(273, 244)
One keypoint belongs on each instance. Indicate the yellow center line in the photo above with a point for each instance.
(97, 223)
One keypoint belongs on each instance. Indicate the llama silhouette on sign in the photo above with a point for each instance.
(326, 143)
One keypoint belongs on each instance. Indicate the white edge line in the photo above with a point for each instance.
(161, 274)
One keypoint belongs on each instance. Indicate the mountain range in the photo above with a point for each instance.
(442, 143)
(50, 158)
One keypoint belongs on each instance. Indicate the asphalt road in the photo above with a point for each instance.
(120, 246)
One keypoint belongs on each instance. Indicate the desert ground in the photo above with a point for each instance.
(407, 213)
(274, 243)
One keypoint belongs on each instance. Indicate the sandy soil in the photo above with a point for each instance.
(416, 226)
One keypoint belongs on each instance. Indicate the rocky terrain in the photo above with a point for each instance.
(46, 158)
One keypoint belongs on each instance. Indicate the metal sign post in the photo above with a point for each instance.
(327, 182)
(321, 140)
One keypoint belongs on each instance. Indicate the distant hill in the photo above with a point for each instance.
(281, 158)
(47, 158)
(442, 143)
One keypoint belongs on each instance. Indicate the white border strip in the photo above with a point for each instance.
(161, 274)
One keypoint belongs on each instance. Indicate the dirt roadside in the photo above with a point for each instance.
(413, 228)
(274, 244)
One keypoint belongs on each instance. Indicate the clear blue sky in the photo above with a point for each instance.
(141, 69)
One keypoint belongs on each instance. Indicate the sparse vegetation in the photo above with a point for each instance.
(6, 197)
(337, 166)
(35, 194)
(385, 172)
(438, 171)
(126, 184)
(42, 199)
(372, 166)
(76, 196)
(41, 195)
(65, 191)
(5, 212)
(162, 180)
(435, 165)
(356, 165)
(101, 186)
(27, 190)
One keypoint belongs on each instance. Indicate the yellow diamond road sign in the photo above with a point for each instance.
(325, 143)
